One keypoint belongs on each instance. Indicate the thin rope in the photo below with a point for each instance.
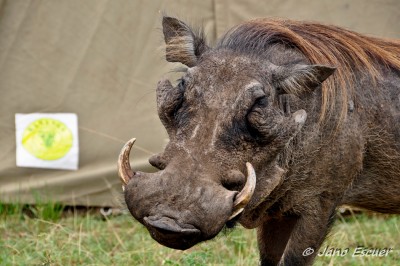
(115, 139)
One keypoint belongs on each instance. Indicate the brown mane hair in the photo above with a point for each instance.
(321, 44)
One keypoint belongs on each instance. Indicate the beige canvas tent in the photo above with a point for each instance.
(101, 60)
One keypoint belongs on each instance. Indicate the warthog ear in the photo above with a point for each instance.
(299, 79)
(182, 44)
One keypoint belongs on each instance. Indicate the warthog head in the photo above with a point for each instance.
(225, 127)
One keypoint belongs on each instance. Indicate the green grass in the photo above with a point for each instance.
(43, 235)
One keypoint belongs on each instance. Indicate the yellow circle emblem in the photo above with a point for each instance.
(47, 139)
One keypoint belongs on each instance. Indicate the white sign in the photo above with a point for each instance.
(47, 140)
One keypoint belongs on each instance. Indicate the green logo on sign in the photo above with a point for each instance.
(47, 139)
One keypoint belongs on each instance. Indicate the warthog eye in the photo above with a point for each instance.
(181, 84)
(280, 90)
(169, 101)
(260, 120)
(260, 102)
(179, 101)
(256, 111)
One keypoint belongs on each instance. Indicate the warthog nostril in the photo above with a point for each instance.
(168, 225)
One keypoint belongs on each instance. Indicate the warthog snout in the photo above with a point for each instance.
(180, 214)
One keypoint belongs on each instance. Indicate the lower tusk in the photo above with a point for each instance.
(243, 198)
(124, 168)
(236, 213)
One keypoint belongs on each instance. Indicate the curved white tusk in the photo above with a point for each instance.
(243, 198)
(124, 167)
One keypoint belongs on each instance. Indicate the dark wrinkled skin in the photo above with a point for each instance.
(228, 110)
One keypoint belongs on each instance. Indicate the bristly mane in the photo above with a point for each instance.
(321, 44)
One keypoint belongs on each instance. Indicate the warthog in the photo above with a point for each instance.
(275, 127)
